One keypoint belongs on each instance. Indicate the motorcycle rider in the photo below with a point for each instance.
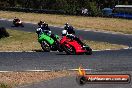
(40, 23)
(66, 26)
(45, 28)
(39, 31)
(69, 29)
(70, 33)
(16, 20)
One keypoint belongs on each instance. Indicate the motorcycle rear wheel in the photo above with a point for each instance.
(89, 51)
(70, 51)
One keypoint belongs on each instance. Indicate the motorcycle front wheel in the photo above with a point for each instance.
(45, 46)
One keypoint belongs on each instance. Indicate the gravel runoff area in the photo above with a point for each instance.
(13, 79)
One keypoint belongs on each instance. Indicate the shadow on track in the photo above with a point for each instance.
(37, 50)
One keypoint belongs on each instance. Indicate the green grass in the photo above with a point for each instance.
(27, 41)
(3, 85)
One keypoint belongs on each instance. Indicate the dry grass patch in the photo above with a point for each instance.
(19, 41)
(27, 41)
(13, 79)
(103, 45)
(93, 23)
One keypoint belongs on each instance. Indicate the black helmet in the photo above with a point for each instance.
(44, 24)
(40, 22)
(66, 24)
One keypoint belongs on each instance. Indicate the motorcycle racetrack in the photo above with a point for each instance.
(52, 60)
(99, 61)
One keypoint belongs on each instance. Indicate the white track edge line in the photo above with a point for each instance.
(81, 69)
(43, 70)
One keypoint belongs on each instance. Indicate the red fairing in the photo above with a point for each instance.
(64, 38)
(67, 42)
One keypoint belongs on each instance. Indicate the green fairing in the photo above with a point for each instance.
(44, 37)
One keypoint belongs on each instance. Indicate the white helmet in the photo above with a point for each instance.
(64, 32)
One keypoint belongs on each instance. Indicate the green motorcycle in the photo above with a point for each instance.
(49, 43)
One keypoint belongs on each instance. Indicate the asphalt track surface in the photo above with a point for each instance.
(100, 61)
(70, 82)
(97, 36)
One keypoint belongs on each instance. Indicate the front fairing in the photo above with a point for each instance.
(44, 37)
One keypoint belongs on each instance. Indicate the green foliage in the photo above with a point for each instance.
(2, 85)
(94, 9)
(69, 6)
(3, 33)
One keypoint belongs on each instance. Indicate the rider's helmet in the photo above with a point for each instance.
(16, 20)
(40, 21)
(44, 24)
(64, 32)
(66, 24)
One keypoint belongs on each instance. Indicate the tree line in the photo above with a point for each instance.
(69, 6)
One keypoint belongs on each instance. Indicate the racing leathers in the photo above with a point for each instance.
(16, 20)
(46, 29)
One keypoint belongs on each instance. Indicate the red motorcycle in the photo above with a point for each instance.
(73, 47)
